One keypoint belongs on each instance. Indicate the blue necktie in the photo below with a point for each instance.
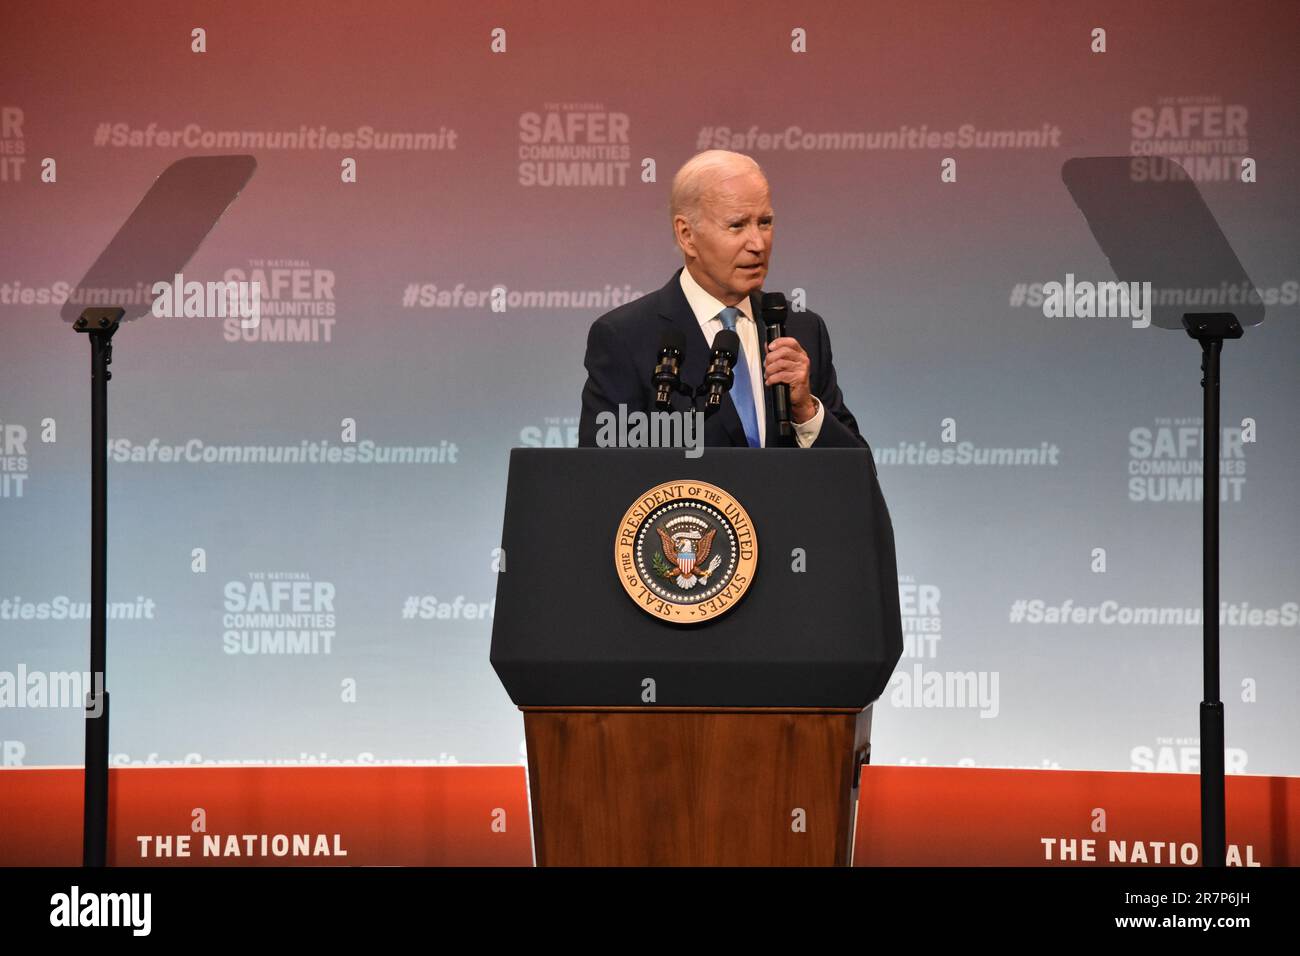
(742, 393)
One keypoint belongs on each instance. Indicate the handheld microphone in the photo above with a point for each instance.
(774, 312)
(718, 379)
(667, 374)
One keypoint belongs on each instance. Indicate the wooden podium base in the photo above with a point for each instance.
(694, 786)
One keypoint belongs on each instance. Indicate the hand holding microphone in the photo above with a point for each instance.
(786, 368)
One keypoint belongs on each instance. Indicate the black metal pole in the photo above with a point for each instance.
(1210, 329)
(1213, 825)
(99, 324)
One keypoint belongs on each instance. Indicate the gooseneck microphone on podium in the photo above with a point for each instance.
(774, 312)
(718, 379)
(667, 374)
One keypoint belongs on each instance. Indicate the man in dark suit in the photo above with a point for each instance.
(722, 220)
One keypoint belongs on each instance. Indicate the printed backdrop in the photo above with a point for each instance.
(310, 578)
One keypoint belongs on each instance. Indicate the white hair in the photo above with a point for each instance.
(700, 174)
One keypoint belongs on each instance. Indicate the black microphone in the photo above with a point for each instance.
(718, 379)
(774, 312)
(667, 376)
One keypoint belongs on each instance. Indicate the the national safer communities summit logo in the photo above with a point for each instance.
(574, 144)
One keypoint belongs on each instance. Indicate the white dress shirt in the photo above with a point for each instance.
(706, 309)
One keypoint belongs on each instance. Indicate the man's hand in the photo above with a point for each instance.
(787, 363)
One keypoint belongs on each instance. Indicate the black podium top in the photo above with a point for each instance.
(567, 633)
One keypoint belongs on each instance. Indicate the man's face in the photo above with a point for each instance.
(732, 241)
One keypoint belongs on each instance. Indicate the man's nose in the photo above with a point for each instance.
(755, 239)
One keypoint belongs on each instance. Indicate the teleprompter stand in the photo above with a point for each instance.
(1210, 329)
(99, 325)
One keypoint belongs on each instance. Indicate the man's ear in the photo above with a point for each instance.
(684, 235)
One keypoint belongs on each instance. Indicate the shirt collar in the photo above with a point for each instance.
(705, 306)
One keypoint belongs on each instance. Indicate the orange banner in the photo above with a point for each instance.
(275, 816)
(479, 816)
(956, 816)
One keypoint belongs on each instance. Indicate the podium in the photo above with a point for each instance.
(695, 645)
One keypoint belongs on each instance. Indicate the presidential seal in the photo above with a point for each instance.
(685, 552)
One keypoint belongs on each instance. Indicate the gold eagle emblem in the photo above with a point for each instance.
(686, 555)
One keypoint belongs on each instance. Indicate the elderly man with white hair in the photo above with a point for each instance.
(721, 208)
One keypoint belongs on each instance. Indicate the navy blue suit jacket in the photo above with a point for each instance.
(623, 348)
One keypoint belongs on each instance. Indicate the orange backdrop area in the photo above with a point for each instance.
(382, 816)
(478, 816)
